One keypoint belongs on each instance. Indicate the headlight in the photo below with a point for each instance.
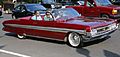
(93, 31)
(112, 26)
(114, 11)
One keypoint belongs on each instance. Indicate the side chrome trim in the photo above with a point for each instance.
(53, 29)
(46, 38)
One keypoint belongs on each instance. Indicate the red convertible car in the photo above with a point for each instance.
(69, 27)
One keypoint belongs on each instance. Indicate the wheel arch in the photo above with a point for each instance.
(103, 14)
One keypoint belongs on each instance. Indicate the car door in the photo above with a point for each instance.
(23, 11)
(19, 11)
(91, 9)
(45, 29)
(16, 11)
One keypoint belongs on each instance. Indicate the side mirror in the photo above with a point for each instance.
(22, 10)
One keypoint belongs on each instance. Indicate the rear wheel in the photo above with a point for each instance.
(21, 36)
(75, 40)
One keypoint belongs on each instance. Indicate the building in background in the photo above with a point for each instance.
(8, 5)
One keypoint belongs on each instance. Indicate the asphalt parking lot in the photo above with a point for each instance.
(10, 46)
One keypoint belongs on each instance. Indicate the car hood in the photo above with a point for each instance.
(91, 22)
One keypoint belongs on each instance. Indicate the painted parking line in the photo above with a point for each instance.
(13, 53)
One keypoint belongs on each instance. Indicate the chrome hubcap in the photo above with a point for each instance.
(20, 36)
(74, 39)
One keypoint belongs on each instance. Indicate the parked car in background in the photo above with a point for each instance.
(67, 25)
(116, 2)
(98, 8)
(51, 4)
(54, 5)
(0, 10)
(24, 10)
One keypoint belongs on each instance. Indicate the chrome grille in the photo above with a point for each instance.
(106, 28)
(102, 29)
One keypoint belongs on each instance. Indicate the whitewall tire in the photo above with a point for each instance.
(75, 40)
(21, 36)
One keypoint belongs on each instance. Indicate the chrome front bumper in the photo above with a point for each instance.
(88, 39)
(99, 35)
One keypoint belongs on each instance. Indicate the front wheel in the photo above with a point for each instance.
(20, 36)
(75, 40)
(104, 16)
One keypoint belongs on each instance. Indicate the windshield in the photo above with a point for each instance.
(33, 7)
(103, 2)
(65, 13)
(48, 1)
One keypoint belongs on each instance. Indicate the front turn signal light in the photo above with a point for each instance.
(114, 11)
